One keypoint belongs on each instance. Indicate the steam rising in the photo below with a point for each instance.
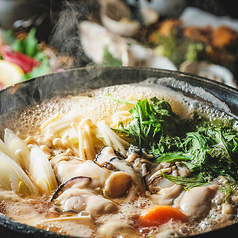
(65, 35)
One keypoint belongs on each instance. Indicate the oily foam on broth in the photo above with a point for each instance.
(100, 107)
(96, 108)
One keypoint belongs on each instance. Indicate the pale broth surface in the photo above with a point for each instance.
(46, 127)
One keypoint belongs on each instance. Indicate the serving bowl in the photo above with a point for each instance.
(15, 99)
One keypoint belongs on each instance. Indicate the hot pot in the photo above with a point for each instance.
(15, 99)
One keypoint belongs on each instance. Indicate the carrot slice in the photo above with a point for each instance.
(160, 214)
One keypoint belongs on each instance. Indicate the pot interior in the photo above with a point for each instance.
(15, 99)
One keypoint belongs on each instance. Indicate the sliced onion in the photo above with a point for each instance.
(4, 149)
(12, 177)
(18, 149)
(41, 171)
(111, 138)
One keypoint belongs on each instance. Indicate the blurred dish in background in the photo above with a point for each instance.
(192, 16)
(116, 16)
(108, 49)
(9, 74)
(169, 44)
(196, 49)
(165, 8)
(219, 44)
(111, 43)
(24, 33)
(25, 52)
(211, 71)
(24, 57)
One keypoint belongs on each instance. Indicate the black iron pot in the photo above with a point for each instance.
(72, 82)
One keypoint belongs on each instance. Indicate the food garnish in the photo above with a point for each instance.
(207, 148)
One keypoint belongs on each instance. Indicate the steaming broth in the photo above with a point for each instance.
(107, 197)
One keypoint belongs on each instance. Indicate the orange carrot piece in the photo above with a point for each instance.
(160, 214)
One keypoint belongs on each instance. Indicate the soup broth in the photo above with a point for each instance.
(106, 164)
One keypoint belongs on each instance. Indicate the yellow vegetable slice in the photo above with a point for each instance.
(9, 74)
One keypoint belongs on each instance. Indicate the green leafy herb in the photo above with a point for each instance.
(42, 69)
(109, 60)
(30, 46)
(207, 147)
(173, 157)
(187, 182)
(228, 191)
(177, 48)
(193, 50)
(17, 45)
(216, 156)
(152, 123)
